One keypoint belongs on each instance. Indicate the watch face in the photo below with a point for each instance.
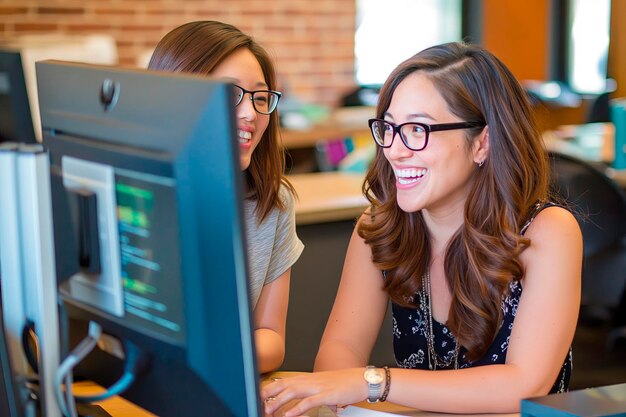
(374, 376)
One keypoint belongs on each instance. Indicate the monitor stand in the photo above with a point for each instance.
(90, 410)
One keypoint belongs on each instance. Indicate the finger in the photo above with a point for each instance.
(265, 413)
(290, 394)
(275, 385)
(305, 405)
(272, 388)
(267, 381)
(274, 402)
(285, 390)
(265, 402)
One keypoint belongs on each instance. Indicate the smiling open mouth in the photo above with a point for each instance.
(408, 176)
(243, 136)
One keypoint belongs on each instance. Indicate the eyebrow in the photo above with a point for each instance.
(237, 81)
(412, 115)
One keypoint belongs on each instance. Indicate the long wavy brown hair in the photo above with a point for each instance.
(483, 256)
(198, 47)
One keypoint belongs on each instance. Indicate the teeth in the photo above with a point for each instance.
(244, 136)
(405, 181)
(410, 174)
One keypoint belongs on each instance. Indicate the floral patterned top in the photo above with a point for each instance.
(410, 335)
(411, 347)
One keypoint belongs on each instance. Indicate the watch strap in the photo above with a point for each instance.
(383, 398)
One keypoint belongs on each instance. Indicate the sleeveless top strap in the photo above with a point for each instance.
(537, 208)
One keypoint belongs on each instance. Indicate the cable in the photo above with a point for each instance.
(136, 362)
(117, 388)
(64, 372)
(70, 404)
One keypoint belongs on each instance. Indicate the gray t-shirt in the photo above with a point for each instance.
(273, 245)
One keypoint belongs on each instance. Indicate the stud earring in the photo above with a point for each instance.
(481, 163)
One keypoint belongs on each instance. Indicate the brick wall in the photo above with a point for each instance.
(312, 41)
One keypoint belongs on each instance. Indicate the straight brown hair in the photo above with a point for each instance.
(198, 47)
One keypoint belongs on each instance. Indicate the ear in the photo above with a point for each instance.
(480, 148)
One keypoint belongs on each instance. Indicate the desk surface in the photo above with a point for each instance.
(328, 196)
(116, 406)
(592, 142)
(308, 138)
(343, 122)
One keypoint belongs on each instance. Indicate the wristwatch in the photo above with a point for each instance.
(374, 378)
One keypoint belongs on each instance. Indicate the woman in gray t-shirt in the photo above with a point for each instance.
(223, 51)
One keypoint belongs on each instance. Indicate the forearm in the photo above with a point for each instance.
(270, 350)
(334, 355)
(485, 389)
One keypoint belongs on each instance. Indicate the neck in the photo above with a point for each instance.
(442, 225)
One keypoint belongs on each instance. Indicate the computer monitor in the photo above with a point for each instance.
(149, 236)
(9, 397)
(16, 123)
(21, 52)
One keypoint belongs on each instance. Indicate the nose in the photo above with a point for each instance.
(398, 150)
(245, 109)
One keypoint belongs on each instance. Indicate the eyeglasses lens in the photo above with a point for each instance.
(413, 135)
(237, 94)
(383, 133)
(264, 102)
(261, 100)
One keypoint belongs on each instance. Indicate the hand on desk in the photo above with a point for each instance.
(341, 387)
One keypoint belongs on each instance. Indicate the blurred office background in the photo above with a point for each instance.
(330, 54)
(314, 41)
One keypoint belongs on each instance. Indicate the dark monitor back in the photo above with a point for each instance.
(16, 123)
(170, 141)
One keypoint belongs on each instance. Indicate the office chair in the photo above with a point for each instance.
(599, 110)
(600, 208)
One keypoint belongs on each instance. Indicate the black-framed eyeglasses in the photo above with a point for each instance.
(414, 135)
(263, 101)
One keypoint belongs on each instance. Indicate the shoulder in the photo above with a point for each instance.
(553, 223)
(286, 217)
(283, 208)
(287, 197)
(555, 244)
